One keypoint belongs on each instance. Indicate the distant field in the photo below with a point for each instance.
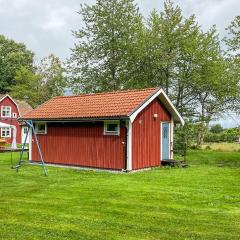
(225, 147)
(199, 202)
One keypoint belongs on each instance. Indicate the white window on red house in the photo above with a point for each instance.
(14, 115)
(25, 130)
(5, 132)
(6, 111)
(111, 128)
(41, 128)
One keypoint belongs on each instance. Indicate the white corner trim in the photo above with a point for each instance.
(160, 142)
(30, 144)
(129, 145)
(160, 91)
(171, 137)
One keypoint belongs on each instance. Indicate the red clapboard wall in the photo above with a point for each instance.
(11, 121)
(146, 135)
(81, 144)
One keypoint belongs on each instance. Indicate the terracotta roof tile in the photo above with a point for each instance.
(24, 107)
(111, 104)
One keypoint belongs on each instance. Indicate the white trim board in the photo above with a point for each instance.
(166, 102)
(129, 145)
(171, 138)
(30, 144)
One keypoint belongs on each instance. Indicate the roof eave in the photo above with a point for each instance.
(74, 119)
(164, 99)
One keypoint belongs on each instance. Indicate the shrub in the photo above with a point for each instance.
(217, 128)
(228, 135)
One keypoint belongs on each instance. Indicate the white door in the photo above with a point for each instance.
(24, 133)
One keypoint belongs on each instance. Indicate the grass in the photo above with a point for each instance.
(199, 202)
(222, 147)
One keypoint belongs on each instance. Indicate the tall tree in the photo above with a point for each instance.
(53, 77)
(102, 58)
(233, 58)
(13, 56)
(233, 39)
(46, 82)
(28, 87)
(172, 45)
(163, 43)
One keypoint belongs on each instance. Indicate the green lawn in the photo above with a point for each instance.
(199, 202)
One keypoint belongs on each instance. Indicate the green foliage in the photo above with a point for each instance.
(184, 137)
(105, 48)
(13, 56)
(216, 128)
(228, 135)
(233, 40)
(48, 81)
(233, 58)
(27, 86)
(53, 80)
(118, 49)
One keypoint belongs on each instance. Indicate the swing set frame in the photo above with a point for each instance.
(30, 126)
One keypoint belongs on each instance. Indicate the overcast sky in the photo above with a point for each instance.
(45, 25)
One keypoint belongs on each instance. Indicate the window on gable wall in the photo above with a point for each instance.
(6, 111)
(111, 128)
(6, 132)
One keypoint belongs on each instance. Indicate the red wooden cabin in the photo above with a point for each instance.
(122, 130)
(10, 111)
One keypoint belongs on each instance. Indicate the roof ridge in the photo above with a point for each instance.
(112, 92)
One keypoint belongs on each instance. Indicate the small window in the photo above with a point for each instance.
(111, 128)
(25, 130)
(6, 111)
(14, 115)
(41, 128)
(6, 132)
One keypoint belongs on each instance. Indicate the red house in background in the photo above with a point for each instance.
(123, 130)
(10, 111)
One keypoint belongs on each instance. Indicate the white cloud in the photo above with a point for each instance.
(57, 19)
(45, 26)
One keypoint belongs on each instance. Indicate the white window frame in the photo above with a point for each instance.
(25, 128)
(116, 133)
(14, 115)
(3, 130)
(10, 111)
(40, 123)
